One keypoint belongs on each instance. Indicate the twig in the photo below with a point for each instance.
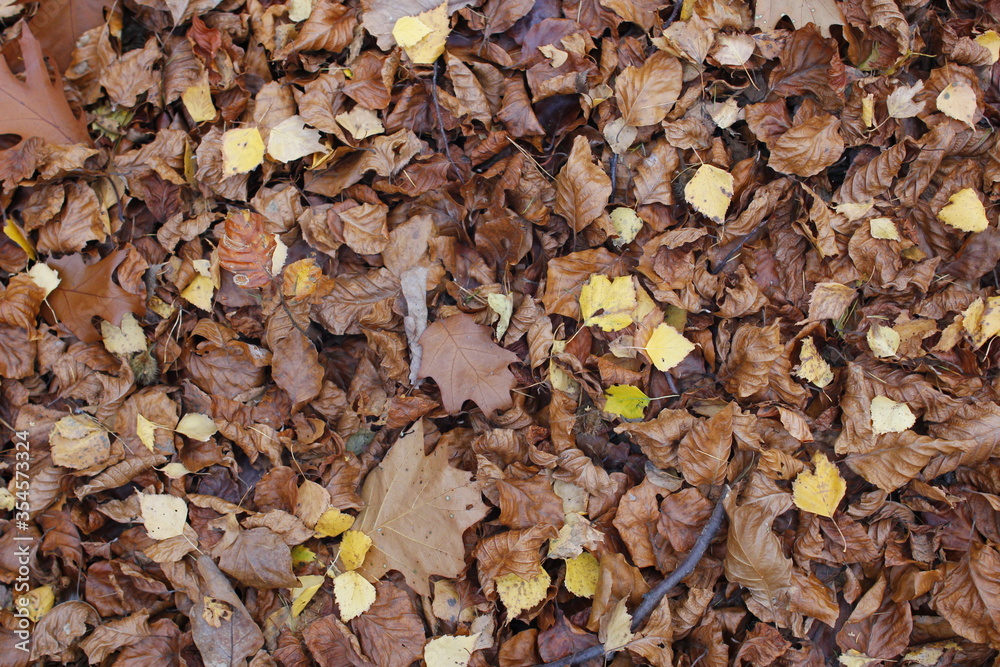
(651, 599)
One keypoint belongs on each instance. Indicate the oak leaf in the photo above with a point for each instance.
(416, 509)
(466, 364)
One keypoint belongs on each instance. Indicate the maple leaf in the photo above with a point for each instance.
(824, 13)
(467, 364)
(416, 509)
(87, 291)
(37, 107)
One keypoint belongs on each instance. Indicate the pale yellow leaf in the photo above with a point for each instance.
(199, 293)
(7, 500)
(581, 575)
(616, 627)
(958, 101)
(353, 593)
(900, 102)
(303, 594)
(812, 367)
(991, 40)
(450, 650)
(353, 549)
(883, 341)
(164, 515)
(333, 522)
(291, 140)
(45, 277)
(607, 304)
(518, 595)
(503, 306)
(620, 135)
(423, 36)
(146, 430)
(667, 347)
(360, 122)
(981, 320)
(888, 416)
(299, 10)
(884, 228)
(197, 426)
(709, 192)
(819, 491)
(242, 151)
(964, 211)
(175, 470)
(127, 339)
(197, 100)
(627, 224)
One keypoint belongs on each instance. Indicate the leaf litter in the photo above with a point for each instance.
(366, 333)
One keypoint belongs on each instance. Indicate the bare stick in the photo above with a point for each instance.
(651, 599)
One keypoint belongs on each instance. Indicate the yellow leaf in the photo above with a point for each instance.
(855, 658)
(146, 430)
(360, 122)
(981, 320)
(40, 601)
(958, 101)
(709, 192)
(174, 470)
(291, 140)
(333, 522)
(964, 211)
(581, 575)
(353, 549)
(502, 305)
(164, 515)
(423, 36)
(197, 426)
(607, 304)
(450, 651)
(888, 416)
(299, 10)
(991, 40)
(199, 293)
(884, 228)
(626, 401)
(7, 499)
(812, 367)
(883, 341)
(821, 491)
(667, 347)
(353, 593)
(14, 233)
(242, 151)
(126, 339)
(197, 100)
(303, 594)
(518, 595)
(301, 554)
(616, 627)
(627, 224)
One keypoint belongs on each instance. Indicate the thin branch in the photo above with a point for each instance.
(651, 599)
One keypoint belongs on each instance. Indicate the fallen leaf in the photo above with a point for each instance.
(888, 416)
(958, 101)
(709, 192)
(303, 594)
(824, 13)
(423, 36)
(79, 442)
(606, 303)
(450, 651)
(353, 593)
(163, 515)
(581, 575)
(626, 223)
(582, 187)
(667, 347)
(519, 594)
(242, 151)
(353, 548)
(964, 211)
(127, 339)
(197, 426)
(645, 94)
(819, 491)
(626, 401)
(813, 367)
(291, 140)
(883, 341)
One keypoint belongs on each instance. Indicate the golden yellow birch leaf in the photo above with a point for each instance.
(884, 228)
(197, 426)
(353, 593)
(883, 341)
(333, 522)
(45, 277)
(888, 416)
(607, 304)
(199, 293)
(991, 40)
(821, 491)
(423, 36)
(502, 305)
(616, 630)
(626, 223)
(964, 211)
(14, 233)
(146, 430)
(353, 549)
(667, 347)
(812, 367)
(127, 339)
(958, 101)
(360, 122)
(450, 650)
(291, 140)
(197, 100)
(581, 575)
(709, 192)
(164, 515)
(242, 151)
(40, 601)
(518, 594)
(981, 320)
(626, 401)
(303, 594)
